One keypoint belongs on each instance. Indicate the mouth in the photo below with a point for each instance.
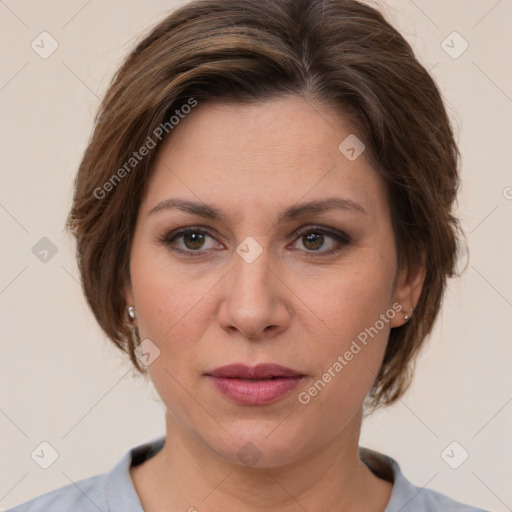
(254, 385)
(264, 371)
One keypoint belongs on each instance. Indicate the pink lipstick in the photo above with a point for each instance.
(254, 385)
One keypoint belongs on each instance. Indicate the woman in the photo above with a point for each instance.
(264, 224)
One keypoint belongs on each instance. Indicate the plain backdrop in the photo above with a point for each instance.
(61, 380)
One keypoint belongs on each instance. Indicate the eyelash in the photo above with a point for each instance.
(342, 238)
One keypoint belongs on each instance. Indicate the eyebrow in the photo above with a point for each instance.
(293, 212)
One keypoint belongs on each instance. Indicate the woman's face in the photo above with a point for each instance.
(311, 290)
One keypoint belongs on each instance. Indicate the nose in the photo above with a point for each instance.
(254, 302)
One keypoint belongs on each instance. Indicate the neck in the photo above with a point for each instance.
(187, 475)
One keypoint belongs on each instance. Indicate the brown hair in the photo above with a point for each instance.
(340, 52)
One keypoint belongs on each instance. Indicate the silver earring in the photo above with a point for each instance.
(406, 317)
(131, 312)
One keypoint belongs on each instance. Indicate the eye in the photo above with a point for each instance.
(192, 241)
(314, 239)
(189, 240)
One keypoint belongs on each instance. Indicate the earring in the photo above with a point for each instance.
(406, 316)
(131, 312)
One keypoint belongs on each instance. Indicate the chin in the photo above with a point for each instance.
(259, 444)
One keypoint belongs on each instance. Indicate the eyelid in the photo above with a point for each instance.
(334, 233)
(342, 239)
(169, 237)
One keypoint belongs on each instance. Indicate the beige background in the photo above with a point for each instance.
(61, 382)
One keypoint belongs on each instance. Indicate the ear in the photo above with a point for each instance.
(408, 287)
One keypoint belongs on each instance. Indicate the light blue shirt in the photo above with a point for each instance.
(114, 491)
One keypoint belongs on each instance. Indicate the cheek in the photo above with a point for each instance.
(347, 361)
(166, 294)
(174, 309)
(168, 303)
(353, 296)
(356, 313)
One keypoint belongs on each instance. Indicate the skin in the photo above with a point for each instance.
(288, 307)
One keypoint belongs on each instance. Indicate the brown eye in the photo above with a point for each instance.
(313, 241)
(193, 240)
(190, 241)
(322, 242)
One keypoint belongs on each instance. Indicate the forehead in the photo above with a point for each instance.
(270, 153)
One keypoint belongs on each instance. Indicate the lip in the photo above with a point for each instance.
(260, 371)
(254, 385)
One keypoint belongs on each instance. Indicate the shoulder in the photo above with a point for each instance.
(84, 496)
(427, 500)
(405, 496)
(113, 491)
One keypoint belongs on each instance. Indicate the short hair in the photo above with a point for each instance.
(341, 53)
